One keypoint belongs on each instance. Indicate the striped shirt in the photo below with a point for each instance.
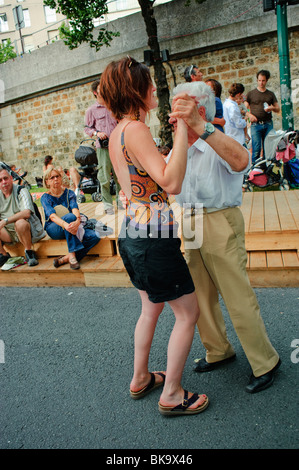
(99, 119)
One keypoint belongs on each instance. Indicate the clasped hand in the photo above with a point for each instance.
(72, 227)
(184, 106)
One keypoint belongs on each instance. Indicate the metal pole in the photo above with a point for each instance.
(22, 41)
(284, 67)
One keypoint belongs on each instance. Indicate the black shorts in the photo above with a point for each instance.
(157, 266)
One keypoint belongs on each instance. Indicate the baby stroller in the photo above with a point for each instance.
(86, 156)
(280, 149)
(16, 177)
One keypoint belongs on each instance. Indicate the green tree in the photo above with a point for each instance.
(7, 52)
(79, 27)
(80, 15)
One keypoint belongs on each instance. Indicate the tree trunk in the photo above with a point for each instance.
(159, 72)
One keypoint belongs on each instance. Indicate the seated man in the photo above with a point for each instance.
(18, 220)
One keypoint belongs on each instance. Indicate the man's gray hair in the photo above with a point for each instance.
(204, 96)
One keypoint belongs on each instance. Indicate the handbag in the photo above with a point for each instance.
(61, 210)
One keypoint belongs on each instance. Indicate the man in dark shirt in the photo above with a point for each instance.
(261, 102)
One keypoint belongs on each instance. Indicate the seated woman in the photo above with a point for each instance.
(63, 220)
(70, 177)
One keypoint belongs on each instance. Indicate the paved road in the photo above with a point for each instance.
(68, 363)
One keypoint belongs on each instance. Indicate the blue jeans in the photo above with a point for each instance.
(90, 238)
(258, 135)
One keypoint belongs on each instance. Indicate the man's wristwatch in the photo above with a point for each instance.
(6, 221)
(209, 129)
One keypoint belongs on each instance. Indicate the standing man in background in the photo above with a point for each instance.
(260, 103)
(99, 124)
(192, 74)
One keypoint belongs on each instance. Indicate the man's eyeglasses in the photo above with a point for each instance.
(55, 176)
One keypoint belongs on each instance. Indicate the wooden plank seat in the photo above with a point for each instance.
(265, 269)
(271, 220)
(273, 268)
(48, 247)
(94, 271)
(271, 238)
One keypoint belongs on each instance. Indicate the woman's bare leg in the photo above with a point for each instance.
(186, 313)
(144, 333)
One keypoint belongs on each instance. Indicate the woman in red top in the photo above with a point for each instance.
(148, 243)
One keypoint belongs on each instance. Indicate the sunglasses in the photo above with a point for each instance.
(191, 70)
(55, 176)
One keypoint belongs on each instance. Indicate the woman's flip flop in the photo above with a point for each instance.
(183, 408)
(149, 387)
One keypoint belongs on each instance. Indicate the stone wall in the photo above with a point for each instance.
(51, 124)
(46, 115)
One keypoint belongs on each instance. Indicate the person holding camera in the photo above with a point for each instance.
(99, 124)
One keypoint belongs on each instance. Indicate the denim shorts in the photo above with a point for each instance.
(157, 266)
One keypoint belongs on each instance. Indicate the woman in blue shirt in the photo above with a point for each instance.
(62, 217)
(219, 121)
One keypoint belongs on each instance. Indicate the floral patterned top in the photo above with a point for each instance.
(149, 204)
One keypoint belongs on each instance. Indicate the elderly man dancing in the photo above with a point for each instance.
(215, 167)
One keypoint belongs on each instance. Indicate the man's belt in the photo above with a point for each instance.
(189, 212)
(260, 122)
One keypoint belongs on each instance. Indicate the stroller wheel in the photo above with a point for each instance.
(81, 198)
(96, 197)
(284, 187)
(247, 187)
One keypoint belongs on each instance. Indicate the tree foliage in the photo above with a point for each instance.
(80, 15)
(7, 52)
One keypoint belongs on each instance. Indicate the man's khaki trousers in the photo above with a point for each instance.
(219, 265)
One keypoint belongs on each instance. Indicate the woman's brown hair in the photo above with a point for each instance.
(124, 86)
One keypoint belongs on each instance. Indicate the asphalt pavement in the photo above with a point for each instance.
(66, 360)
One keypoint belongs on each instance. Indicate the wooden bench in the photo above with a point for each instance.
(271, 239)
(94, 271)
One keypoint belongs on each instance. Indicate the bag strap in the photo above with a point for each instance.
(85, 140)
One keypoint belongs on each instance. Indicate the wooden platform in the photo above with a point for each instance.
(272, 237)
(272, 242)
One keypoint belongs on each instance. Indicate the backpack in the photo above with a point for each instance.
(37, 212)
(291, 172)
(35, 220)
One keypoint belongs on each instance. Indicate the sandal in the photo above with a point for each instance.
(149, 387)
(74, 263)
(183, 408)
(58, 261)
